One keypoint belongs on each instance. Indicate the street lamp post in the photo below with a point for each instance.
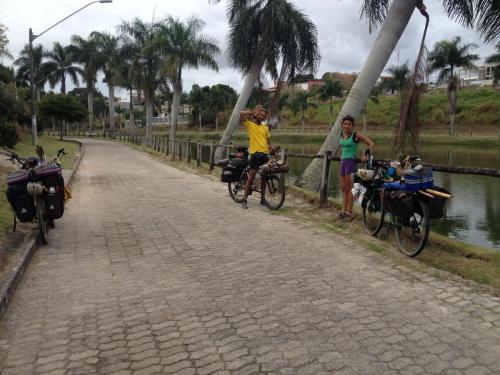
(32, 37)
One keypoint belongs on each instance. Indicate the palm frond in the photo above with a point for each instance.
(374, 11)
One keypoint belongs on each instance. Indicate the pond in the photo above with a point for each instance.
(473, 215)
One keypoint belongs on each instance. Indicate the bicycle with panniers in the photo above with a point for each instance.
(269, 181)
(405, 191)
(36, 191)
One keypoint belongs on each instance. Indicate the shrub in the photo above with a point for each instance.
(9, 135)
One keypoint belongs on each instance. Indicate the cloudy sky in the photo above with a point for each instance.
(343, 38)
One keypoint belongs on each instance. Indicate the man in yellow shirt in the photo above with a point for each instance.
(260, 143)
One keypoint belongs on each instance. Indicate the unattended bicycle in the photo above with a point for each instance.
(269, 180)
(410, 205)
(36, 191)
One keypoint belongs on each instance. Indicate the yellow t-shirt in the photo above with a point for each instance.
(258, 135)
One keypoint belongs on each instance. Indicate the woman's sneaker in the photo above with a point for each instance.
(349, 216)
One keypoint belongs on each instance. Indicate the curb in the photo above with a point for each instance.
(27, 250)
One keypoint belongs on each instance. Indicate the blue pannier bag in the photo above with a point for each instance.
(418, 179)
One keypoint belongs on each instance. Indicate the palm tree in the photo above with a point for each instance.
(262, 33)
(400, 75)
(138, 38)
(183, 47)
(394, 19)
(446, 57)
(300, 103)
(60, 64)
(495, 59)
(327, 92)
(85, 52)
(107, 45)
(40, 68)
(221, 97)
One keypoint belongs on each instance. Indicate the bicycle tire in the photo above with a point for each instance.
(237, 189)
(274, 188)
(412, 234)
(372, 221)
(43, 230)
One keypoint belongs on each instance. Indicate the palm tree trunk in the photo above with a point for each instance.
(111, 88)
(216, 121)
(364, 119)
(199, 117)
(303, 121)
(453, 109)
(131, 109)
(395, 22)
(176, 103)
(90, 106)
(245, 93)
(149, 116)
(63, 85)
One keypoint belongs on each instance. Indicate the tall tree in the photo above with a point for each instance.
(138, 38)
(263, 33)
(327, 92)
(60, 63)
(40, 68)
(84, 52)
(394, 17)
(4, 41)
(446, 57)
(300, 103)
(221, 98)
(183, 47)
(495, 59)
(400, 75)
(107, 45)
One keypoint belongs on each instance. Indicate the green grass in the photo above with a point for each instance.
(25, 149)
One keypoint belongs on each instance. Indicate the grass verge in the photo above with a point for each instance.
(456, 258)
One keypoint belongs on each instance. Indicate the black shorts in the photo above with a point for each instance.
(257, 159)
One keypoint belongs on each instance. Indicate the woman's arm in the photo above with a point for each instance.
(366, 140)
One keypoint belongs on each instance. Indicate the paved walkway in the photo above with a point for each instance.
(153, 270)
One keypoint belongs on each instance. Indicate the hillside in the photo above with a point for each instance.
(478, 108)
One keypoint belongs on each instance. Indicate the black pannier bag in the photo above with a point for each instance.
(436, 204)
(54, 196)
(399, 203)
(230, 174)
(22, 203)
(237, 163)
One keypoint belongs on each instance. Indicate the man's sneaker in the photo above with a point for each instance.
(244, 205)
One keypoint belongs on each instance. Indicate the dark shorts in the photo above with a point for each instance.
(348, 167)
(257, 159)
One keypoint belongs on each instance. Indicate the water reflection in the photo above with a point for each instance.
(473, 215)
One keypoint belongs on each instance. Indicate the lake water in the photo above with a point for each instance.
(473, 215)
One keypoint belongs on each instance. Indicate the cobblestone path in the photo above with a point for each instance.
(154, 270)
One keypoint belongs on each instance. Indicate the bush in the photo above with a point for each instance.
(9, 135)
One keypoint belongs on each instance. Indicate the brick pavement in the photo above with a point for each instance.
(156, 271)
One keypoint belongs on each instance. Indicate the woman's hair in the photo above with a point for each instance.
(348, 118)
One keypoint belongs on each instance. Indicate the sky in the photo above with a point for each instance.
(344, 39)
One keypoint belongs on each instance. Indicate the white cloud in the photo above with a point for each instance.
(343, 38)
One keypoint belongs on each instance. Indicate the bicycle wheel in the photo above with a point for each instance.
(412, 233)
(273, 194)
(237, 189)
(372, 217)
(43, 229)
